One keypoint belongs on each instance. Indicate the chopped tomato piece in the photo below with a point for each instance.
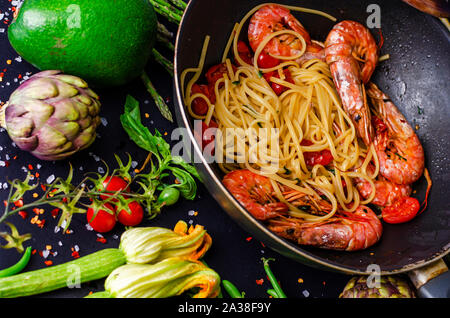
(267, 61)
(277, 88)
(401, 211)
(244, 52)
(216, 72)
(207, 136)
(323, 157)
(199, 105)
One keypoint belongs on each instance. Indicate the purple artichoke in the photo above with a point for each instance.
(52, 115)
(390, 287)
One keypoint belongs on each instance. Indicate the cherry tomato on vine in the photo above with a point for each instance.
(113, 184)
(132, 217)
(401, 211)
(105, 219)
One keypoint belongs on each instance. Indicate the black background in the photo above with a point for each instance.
(235, 255)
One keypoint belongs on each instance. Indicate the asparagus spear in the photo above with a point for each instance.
(160, 103)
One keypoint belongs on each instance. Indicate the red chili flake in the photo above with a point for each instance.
(43, 187)
(263, 245)
(48, 263)
(260, 281)
(19, 203)
(41, 223)
(75, 254)
(19, 76)
(248, 239)
(101, 240)
(38, 211)
(5, 202)
(23, 214)
(33, 252)
(30, 167)
(54, 212)
(37, 175)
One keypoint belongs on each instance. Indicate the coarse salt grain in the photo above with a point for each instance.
(45, 253)
(50, 179)
(305, 293)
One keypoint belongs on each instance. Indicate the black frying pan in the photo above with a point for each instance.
(416, 77)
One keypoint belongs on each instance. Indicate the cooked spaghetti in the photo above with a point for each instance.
(247, 110)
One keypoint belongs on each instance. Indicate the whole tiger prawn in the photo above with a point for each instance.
(350, 50)
(272, 18)
(349, 231)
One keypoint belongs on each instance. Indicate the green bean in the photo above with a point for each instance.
(19, 266)
(273, 293)
(272, 278)
(231, 289)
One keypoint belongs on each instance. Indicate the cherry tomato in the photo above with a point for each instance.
(113, 184)
(401, 211)
(104, 220)
(267, 61)
(132, 217)
(244, 52)
(169, 196)
(323, 157)
(215, 73)
(199, 105)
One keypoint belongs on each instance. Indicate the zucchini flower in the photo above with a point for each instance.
(145, 245)
(390, 287)
(167, 278)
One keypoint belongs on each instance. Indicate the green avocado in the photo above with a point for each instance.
(105, 42)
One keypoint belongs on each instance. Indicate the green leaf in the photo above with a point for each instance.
(187, 185)
(131, 122)
(188, 167)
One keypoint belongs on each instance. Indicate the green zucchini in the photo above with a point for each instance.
(87, 268)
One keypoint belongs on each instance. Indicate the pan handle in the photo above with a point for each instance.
(432, 281)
